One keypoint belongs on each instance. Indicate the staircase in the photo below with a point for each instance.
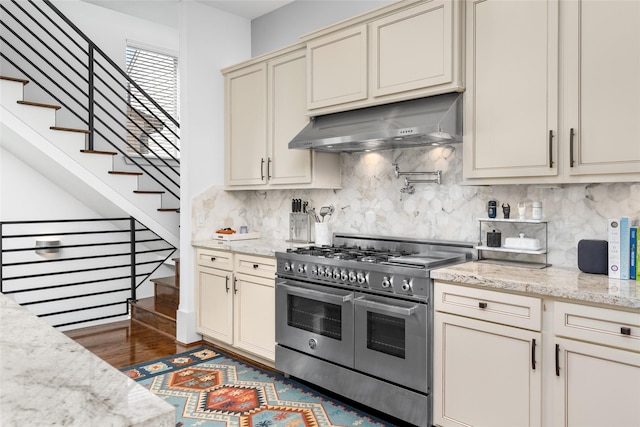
(159, 311)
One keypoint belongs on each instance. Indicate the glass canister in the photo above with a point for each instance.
(536, 212)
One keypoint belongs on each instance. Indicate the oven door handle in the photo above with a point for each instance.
(321, 296)
(405, 311)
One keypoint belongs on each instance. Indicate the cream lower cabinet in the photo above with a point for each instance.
(597, 379)
(552, 92)
(235, 301)
(487, 369)
(265, 107)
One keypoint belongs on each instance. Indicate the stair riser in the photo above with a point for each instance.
(154, 320)
(39, 118)
(11, 92)
(167, 295)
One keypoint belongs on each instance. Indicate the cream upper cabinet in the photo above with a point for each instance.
(406, 50)
(601, 81)
(511, 100)
(553, 92)
(337, 68)
(246, 126)
(265, 107)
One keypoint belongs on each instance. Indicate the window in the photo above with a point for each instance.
(157, 74)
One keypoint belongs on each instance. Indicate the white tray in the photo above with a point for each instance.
(236, 236)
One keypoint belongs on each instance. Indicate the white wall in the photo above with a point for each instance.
(285, 25)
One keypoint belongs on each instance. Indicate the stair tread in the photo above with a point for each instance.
(70, 129)
(148, 191)
(166, 281)
(125, 173)
(39, 104)
(167, 311)
(14, 79)
(113, 153)
(167, 209)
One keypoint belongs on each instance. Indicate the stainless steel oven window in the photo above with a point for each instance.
(319, 317)
(386, 334)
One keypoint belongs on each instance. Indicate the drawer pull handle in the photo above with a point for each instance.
(213, 258)
(256, 265)
(625, 330)
(482, 304)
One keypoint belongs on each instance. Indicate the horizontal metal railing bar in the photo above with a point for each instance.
(83, 245)
(66, 285)
(93, 319)
(73, 233)
(60, 273)
(75, 310)
(70, 297)
(109, 60)
(47, 261)
(43, 221)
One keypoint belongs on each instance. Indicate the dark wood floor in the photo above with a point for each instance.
(127, 343)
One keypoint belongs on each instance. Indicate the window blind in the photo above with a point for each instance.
(157, 75)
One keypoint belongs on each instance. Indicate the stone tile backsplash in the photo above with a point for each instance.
(370, 202)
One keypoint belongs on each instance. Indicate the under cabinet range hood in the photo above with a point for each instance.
(435, 120)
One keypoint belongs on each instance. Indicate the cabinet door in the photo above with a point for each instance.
(287, 109)
(511, 102)
(602, 86)
(596, 386)
(246, 126)
(214, 304)
(337, 68)
(255, 317)
(398, 64)
(484, 375)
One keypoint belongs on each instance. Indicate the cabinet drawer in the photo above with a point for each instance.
(216, 259)
(598, 325)
(255, 265)
(492, 306)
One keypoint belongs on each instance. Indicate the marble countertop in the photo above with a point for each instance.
(263, 247)
(553, 282)
(48, 379)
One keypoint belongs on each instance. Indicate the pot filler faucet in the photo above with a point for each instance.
(408, 183)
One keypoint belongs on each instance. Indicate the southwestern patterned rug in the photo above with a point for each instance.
(211, 389)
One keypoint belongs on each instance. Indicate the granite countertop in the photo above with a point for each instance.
(263, 246)
(552, 281)
(48, 379)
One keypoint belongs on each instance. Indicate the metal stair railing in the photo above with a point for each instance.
(85, 270)
(45, 47)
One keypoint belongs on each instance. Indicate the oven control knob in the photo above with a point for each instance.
(336, 274)
(352, 276)
(301, 268)
(287, 266)
(313, 343)
(320, 271)
(344, 276)
(406, 285)
(361, 278)
(314, 270)
(386, 282)
(327, 272)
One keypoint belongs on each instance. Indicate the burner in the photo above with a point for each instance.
(369, 258)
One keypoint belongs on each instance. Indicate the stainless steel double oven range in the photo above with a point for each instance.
(356, 318)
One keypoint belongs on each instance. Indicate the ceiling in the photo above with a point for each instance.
(165, 11)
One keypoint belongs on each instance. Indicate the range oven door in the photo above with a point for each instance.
(391, 340)
(316, 320)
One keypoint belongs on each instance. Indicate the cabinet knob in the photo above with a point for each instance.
(625, 330)
(213, 258)
(482, 304)
(256, 265)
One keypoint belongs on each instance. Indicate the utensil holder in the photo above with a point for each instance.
(323, 234)
(301, 228)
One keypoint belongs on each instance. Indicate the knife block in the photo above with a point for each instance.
(301, 229)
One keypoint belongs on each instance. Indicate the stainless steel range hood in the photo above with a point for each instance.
(434, 120)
